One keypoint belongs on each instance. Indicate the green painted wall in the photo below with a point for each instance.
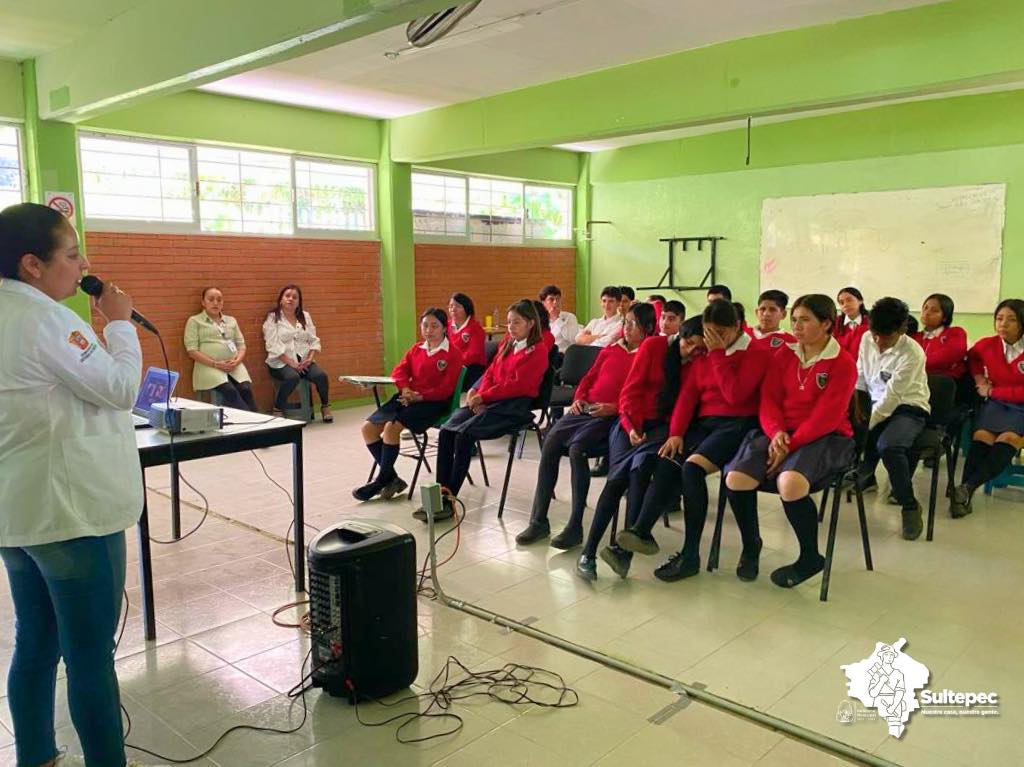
(397, 256)
(556, 166)
(198, 116)
(700, 186)
(12, 106)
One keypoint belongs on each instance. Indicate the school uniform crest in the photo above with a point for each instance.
(776, 342)
(1020, 367)
(442, 364)
(465, 338)
(821, 379)
(77, 339)
(529, 349)
(885, 375)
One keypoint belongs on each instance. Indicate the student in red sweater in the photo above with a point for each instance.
(716, 408)
(771, 308)
(501, 400)
(805, 437)
(645, 403)
(852, 326)
(584, 431)
(466, 335)
(426, 379)
(945, 346)
(997, 365)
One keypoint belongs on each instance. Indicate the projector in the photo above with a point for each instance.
(186, 418)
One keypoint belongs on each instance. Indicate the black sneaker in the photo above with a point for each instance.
(601, 470)
(678, 567)
(912, 523)
(617, 559)
(396, 486)
(569, 538)
(630, 540)
(366, 492)
(960, 502)
(447, 512)
(749, 566)
(586, 568)
(534, 532)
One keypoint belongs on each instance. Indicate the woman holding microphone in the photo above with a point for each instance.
(70, 484)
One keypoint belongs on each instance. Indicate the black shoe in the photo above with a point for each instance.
(630, 540)
(601, 470)
(793, 575)
(534, 532)
(930, 461)
(678, 567)
(867, 483)
(366, 492)
(617, 559)
(586, 568)
(447, 512)
(912, 523)
(396, 486)
(749, 566)
(960, 502)
(569, 538)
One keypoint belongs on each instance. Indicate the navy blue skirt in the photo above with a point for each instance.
(497, 419)
(584, 430)
(1000, 418)
(717, 438)
(624, 458)
(818, 461)
(417, 417)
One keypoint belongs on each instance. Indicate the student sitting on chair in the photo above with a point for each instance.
(564, 325)
(292, 344)
(606, 329)
(626, 301)
(716, 408)
(585, 431)
(671, 317)
(215, 342)
(466, 335)
(426, 379)
(945, 346)
(997, 364)
(852, 326)
(545, 330)
(805, 438)
(719, 292)
(890, 368)
(771, 308)
(501, 402)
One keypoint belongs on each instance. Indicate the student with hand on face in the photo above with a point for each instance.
(853, 324)
(466, 335)
(215, 342)
(292, 345)
(945, 346)
(890, 368)
(997, 365)
(606, 329)
(771, 308)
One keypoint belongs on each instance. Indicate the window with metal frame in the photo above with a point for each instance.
(438, 204)
(11, 186)
(333, 195)
(245, 192)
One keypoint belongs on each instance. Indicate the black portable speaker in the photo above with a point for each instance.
(362, 609)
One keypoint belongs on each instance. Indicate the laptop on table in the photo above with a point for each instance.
(157, 386)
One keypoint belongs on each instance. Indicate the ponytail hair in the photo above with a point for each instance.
(526, 309)
(673, 365)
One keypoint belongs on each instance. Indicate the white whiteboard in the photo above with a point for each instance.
(906, 244)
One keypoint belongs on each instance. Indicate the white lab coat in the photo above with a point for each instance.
(69, 466)
(294, 341)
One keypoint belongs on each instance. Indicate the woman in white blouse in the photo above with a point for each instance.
(292, 345)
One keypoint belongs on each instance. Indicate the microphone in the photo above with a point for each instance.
(93, 286)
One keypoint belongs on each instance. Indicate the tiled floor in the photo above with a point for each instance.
(219, 660)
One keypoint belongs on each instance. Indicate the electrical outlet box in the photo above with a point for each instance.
(431, 496)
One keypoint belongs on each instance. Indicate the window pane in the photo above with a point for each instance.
(438, 204)
(242, 191)
(11, 192)
(331, 195)
(495, 210)
(548, 213)
(138, 180)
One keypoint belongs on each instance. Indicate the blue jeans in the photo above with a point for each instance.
(67, 602)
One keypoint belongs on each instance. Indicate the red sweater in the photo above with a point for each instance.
(849, 338)
(548, 338)
(987, 358)
(721, 385)
(821, 407)
(517, 374)
(469, 341)
(433, 376)
(604, 380)
(774, 341)
(638, 400)
(945, 354)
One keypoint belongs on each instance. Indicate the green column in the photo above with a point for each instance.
(397, 260)
(584, 198)
(51, 152)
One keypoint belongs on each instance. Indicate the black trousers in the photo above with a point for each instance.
(236, 394)
(290, 378)
(891, 442)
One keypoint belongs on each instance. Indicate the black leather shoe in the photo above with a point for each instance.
(569, 538)
(912, 523)
(749, 566)
(678, 567)
(601, 470)
(617, 559)
(630, 540)
(960, 502)
(586, 568)
(535, 531)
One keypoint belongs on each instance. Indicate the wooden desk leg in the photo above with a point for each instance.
(146, 574)
(175, 502)
(300, 517)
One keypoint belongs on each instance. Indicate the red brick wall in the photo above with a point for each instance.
(340, 281)
(492, 275)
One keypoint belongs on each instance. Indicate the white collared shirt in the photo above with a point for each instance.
(293, 341)
(759, 335)
(739, 345)
(830, 352)
(518, 346)
(441, 347)
(892, 378)
(69, 466)
(855, 322)
(1013, 351)
(606, 330)
(565, 327)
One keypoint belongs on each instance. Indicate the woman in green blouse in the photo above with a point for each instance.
(215, 342)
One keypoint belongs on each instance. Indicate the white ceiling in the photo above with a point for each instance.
(29, 28)
(505, 45)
